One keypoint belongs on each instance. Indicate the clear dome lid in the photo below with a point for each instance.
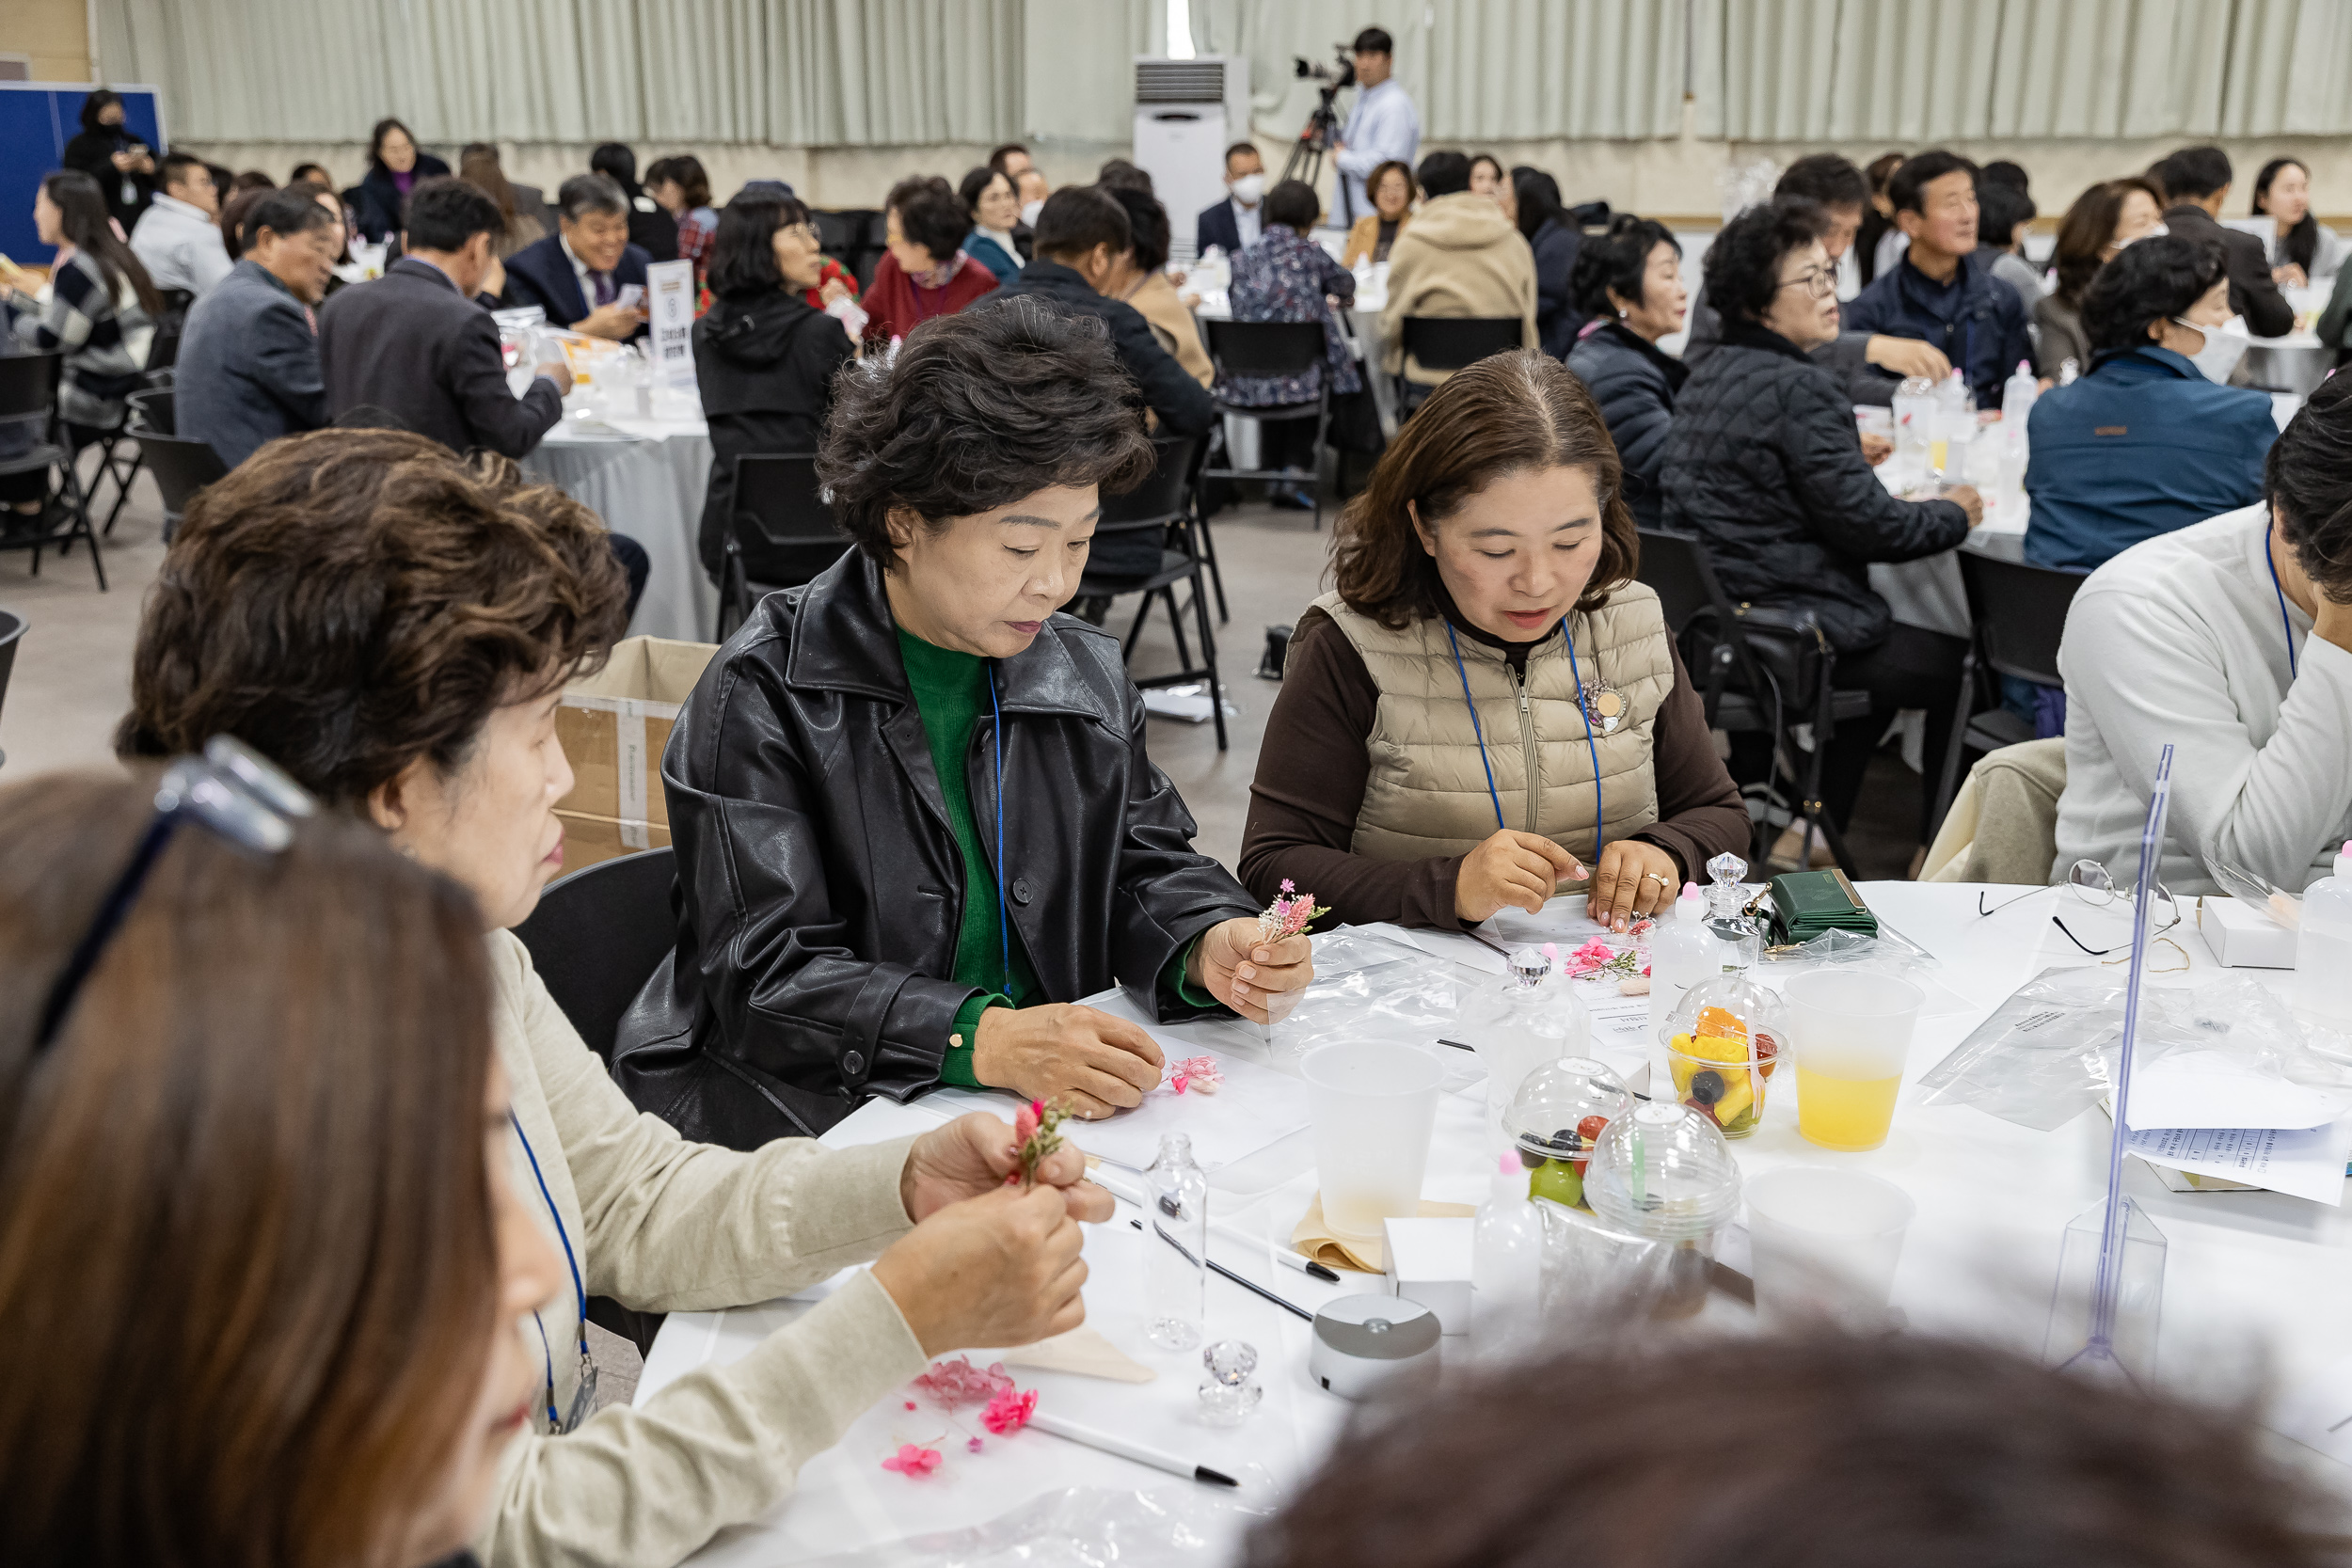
(1548, 1116)
(1535, 997)
(1730, 1016)
(1666, 1172)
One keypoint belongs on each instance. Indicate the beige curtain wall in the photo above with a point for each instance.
(899, 72)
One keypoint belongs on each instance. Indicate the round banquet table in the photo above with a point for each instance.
(645, 478)
(2248, 1273)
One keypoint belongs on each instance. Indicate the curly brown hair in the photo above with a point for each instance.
(350, 601)
(1506, 414)
(978, 410)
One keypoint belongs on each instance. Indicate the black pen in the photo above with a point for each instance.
(1249, 1285)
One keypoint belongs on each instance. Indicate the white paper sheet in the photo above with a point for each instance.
(2211, 1089)
(2307, 1164)
(1621, 1034)
(1256, 1106)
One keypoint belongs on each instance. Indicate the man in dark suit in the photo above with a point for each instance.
(1081, 236)
(1235, 222)
(416, 344)
(248, 367)
(2198, 178)
(585, 276)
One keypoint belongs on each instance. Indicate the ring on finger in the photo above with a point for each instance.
(1660, 877)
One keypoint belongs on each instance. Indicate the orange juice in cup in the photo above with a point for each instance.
(1852, 1034)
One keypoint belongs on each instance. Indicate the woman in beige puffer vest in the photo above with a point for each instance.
(1488, 710)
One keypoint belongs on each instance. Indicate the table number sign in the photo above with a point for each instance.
(670, 305)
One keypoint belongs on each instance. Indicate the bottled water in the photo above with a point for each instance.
(2322, 945)
(1915, 410)
(1506, 1265)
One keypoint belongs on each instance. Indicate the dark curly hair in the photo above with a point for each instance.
(351, 601)
(2307, 479)
(2147, 281)
(930, 215)
(1618, 262)
(978, 410)
(1742, 267)
(1506, 414)
(1802, 1451)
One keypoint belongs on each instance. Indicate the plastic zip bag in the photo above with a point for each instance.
(1081, 1527)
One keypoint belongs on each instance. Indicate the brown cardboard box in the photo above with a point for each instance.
(613, 726)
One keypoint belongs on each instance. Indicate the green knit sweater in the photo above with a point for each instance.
(951, 693)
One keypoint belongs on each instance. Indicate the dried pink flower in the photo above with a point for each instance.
(1009, 1410)
(913, 1462)
(1196, 1073)
(951, 1384)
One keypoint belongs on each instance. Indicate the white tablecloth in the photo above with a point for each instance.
(646, 478)
(2246, 1272)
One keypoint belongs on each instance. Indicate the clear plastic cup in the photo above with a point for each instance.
(1663, 1172)
(1850, 1033)
(1374, 1103)
(1823, 1244)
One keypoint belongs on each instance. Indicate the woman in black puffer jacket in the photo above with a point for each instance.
(1630, 284)
(1763, 463)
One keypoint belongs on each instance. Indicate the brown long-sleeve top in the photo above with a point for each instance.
(1313, 768)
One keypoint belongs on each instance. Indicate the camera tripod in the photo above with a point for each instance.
(1307, 154)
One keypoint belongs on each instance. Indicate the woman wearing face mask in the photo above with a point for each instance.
(915, 816)
(1488, 705)
(1391, 187)
(2103, 220)
(266, 1274)
(2148, 441)
(1630, 284)
(2302, 249)
(395, 625)
(116, 156)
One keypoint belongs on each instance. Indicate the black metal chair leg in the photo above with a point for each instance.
(1134, 633)
(1949, 784)
(1323, 423)
(1208, 547)
(123, 494)
(1208, 657)
(1176, 624)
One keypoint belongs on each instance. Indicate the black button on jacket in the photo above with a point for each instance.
(813, 937)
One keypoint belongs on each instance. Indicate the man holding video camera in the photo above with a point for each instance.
(1385, 125)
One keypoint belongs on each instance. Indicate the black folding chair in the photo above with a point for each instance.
(595, 937)
(181, 467)
(1451, 343)
(1760, 671)
(2018, 613)
(782, 533)
(1159, 511)
(1265, 349)
(11, 633)
(28, 394)
(152, 412)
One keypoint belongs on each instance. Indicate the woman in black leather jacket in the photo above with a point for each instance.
(862, 910)
(1763, 462)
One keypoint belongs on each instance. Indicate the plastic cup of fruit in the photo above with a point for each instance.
(1721, 1077)
(1850, 1033)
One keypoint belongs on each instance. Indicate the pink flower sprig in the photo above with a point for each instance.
(1196, 1073)
(1596, 958)
(912, 1462)
(1290, 914)
(1009, 1412)
(953, 1383)
(1037, 1126)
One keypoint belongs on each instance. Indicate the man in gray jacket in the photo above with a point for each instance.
(248, 370)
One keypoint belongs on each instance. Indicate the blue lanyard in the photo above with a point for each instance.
(2279, 589)
(555, 1422)
(1592, 746)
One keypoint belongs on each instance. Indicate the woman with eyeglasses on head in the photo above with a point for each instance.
(1764, 464)
(394, 626)
(266, 1273)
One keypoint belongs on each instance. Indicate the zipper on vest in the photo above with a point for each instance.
(1527, 745)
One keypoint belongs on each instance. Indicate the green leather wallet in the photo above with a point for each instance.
(1806, 904)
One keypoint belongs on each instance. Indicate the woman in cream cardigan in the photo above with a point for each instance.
(1369, 237)
(1488, 710)
(394, 627)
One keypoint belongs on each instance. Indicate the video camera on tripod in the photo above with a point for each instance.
(1323, 126)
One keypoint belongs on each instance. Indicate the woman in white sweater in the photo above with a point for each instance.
(394, 627)
(2232, 639)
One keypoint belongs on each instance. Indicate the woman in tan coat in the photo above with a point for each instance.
(1144, 283)
(1489, 709)
(1370, 238)
(1461, 258)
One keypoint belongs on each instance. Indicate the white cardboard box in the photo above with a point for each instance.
(1429, 1261)
(2242, 936)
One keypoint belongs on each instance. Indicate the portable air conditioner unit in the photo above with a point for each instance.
(1188, 113)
